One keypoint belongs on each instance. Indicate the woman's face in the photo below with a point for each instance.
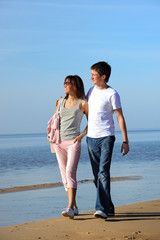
(69, 87)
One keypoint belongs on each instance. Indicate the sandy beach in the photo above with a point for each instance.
(140, 221)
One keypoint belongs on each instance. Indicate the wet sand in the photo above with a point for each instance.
(140, 221)
(58, 184)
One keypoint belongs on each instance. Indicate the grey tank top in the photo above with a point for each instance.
(70, 120)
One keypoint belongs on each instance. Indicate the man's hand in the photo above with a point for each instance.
(78, 139)
(125, 148)
(58, 101)
(48, 138)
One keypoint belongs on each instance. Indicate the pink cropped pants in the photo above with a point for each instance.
(68, 155)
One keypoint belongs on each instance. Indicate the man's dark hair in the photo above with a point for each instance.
(102, 68)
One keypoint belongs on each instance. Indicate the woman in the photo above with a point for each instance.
(72, 108)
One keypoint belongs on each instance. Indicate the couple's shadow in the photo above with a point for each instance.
(121, 216)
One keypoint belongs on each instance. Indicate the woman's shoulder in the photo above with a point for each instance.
(84, 105)
(59, 103)
(60, 100)
(84, 101)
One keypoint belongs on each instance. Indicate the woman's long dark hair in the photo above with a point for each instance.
(77, 81)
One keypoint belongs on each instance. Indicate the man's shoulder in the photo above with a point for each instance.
(89, 92)
(112, 91)
(91, 89)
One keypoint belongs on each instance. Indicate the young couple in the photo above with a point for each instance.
(100, 104)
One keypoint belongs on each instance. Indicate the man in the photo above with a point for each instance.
(103, 101)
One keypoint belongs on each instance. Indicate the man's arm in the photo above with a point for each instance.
(122, 125)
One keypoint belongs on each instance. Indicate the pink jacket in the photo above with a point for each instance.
(53, 130)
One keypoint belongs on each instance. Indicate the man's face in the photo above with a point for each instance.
(96, 78)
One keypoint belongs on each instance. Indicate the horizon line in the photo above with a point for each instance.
(43, 133)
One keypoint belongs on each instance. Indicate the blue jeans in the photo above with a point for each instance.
(100, 153)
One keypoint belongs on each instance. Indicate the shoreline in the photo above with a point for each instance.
(59, 184)
(139, 221)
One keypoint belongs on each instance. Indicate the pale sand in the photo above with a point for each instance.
(58, 184)
(140, 221)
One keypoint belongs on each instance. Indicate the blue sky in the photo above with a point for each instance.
(41, 42)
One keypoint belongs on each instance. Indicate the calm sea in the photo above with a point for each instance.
(27, 160)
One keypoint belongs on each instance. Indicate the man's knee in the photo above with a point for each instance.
(103, 176)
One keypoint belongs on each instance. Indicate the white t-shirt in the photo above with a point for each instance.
(102, 104)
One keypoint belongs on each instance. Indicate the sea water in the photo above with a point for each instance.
(27, 160)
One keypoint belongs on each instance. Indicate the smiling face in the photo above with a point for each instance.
(96, 78)
(73, 85)
(69, 87)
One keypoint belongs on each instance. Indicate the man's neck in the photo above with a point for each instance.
(102, 86)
